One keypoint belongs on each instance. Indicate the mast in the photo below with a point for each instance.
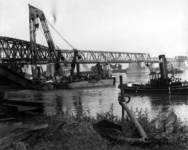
(32, 27)
(36, 15)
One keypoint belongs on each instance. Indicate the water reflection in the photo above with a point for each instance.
(98, 100)
(59, 104)
(77, 102)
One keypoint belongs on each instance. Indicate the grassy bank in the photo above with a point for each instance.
(66, 132)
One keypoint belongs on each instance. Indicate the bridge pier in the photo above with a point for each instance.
(139, 67)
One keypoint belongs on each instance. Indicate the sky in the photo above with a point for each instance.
(140, 26)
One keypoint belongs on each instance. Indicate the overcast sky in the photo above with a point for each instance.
(148, 26)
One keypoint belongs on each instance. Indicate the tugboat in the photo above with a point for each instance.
(159, 83)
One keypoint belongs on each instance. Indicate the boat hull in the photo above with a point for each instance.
(182, 90)
(45, 86)
(86, 84)
(176, 71)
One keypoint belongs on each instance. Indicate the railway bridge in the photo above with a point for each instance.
(16, 50)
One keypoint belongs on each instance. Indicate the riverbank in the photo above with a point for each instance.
(77, 133)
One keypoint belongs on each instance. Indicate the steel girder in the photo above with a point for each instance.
(19, 50)
(12, 49)
(107, 56)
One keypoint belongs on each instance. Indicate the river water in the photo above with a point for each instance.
(96, 100)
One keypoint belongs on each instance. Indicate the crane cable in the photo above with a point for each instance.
(62, 37)
(85, 66)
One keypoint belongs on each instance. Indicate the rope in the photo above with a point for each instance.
(62, 36)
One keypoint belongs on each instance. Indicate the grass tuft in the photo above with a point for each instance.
(76, 132)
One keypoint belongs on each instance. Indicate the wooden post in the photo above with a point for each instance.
(169, 90)
(130, 114)
(123, 112)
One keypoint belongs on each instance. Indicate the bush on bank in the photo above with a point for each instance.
(76, 132)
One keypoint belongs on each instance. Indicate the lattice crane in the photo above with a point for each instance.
(36, 14)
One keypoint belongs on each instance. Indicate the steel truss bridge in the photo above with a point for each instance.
(16, 50)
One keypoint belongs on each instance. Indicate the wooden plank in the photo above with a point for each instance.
(40, 126)
(4, 128)
(22, 108)
(9, 128)
(25, 103)
(15, 136)
(7, 119)
(12, 111)
(2, 124)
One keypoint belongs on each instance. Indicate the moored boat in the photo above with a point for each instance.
(148, 89)
(99, 77)
(175, 70)
(86, 83)
(55, 72)
(159, 83)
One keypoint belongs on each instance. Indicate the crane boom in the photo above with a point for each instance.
(34, 15)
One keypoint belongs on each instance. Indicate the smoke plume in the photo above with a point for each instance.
(54, 14)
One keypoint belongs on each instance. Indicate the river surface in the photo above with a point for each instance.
(96, 100)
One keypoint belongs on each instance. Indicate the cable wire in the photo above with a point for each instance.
(62, 36)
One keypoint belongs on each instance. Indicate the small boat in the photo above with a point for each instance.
(159, 83)
(86, 83)
(176, 70)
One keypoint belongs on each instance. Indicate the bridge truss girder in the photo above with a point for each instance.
(108, 56)
(17, 50)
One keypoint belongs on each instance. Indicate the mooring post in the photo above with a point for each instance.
(123, 112)
(130, 113)
(169, 90)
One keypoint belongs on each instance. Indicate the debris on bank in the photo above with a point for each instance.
(13, 131)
